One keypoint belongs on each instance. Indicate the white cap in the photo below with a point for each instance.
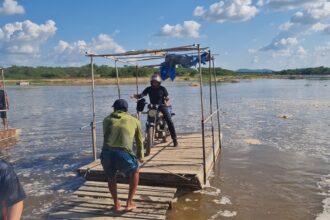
(155, 77)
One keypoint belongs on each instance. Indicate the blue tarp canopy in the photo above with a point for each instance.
(167, 68)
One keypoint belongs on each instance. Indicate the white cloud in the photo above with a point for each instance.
(10, 7)
(65, 47)
(318, 27)
(312, 14)
(231, 10)
(321, 55)
(260, 3)
(287, 4)
(199, 11)
(286, 26)
(300, 52)
(105, 43)
(73, 53)
(188, 29)
(308, 21)
(281, 44)
(252, 50)
(291, 53)
(255, 60)
(323, 51)
(25, 37)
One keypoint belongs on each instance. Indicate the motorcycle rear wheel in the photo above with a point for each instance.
(150, 140)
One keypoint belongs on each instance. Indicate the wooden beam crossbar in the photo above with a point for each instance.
(210, 116)
(154, 52)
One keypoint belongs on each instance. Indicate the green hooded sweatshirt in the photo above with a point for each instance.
(119, 130)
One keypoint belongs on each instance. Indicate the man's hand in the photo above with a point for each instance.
(167, 101)
(141, 160)
(135, 96)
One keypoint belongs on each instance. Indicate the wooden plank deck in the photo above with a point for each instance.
(180, 166)
(93, 201)
(5, 135)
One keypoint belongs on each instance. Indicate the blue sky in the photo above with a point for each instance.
(274, 34)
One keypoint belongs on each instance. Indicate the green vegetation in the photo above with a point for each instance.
(103, 71)
(41, 72)
(307, 71)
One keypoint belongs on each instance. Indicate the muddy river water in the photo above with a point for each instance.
(274, 164)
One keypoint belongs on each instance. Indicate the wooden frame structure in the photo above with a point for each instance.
(139, 56)
(3, 84)
(6, 135)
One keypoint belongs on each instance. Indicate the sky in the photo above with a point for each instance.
(254, 34)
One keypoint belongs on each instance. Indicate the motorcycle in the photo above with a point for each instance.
(156, 126)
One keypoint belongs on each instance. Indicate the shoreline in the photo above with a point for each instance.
(141, 80)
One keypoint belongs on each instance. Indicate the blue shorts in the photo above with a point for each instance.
(3, 114)
(118, 160)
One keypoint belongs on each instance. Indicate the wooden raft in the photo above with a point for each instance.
(10, 133)
(180, 166)
(93, 201)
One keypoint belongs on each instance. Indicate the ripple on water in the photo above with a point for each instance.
(324, 186)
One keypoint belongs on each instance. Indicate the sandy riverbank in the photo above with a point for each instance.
(132, 80)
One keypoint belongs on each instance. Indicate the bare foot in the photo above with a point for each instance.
(117, 207)
(130, 206)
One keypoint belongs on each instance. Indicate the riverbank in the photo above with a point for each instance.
(132, 80)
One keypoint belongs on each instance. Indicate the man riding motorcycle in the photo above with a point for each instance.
(158, 95)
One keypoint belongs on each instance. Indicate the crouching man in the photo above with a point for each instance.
(119, 130)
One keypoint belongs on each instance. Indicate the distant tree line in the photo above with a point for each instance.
(104, 71)
(41, 72)
(306, 71)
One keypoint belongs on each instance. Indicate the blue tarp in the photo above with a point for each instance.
(167, 68)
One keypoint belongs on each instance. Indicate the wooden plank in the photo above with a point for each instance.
(93, 201)
(149, 169)
(11, 132)
(81, 215)
(166, 164)
(109, 202)
(121, 196)
(143, 208)
(102, 215)
(125, 191)
(91, 165)
(123, 186)
(154, 179)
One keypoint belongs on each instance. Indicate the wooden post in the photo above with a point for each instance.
(4, 90)
(3, 79)
(137, 88)
(211, 109)
(136, 79)
(217, 102)
(202, 110)
(93, 124)
(117, 75)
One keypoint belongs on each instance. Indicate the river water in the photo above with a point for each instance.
(274, 162)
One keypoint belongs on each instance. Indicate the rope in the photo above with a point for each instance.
(180, 176)
(89, 169)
